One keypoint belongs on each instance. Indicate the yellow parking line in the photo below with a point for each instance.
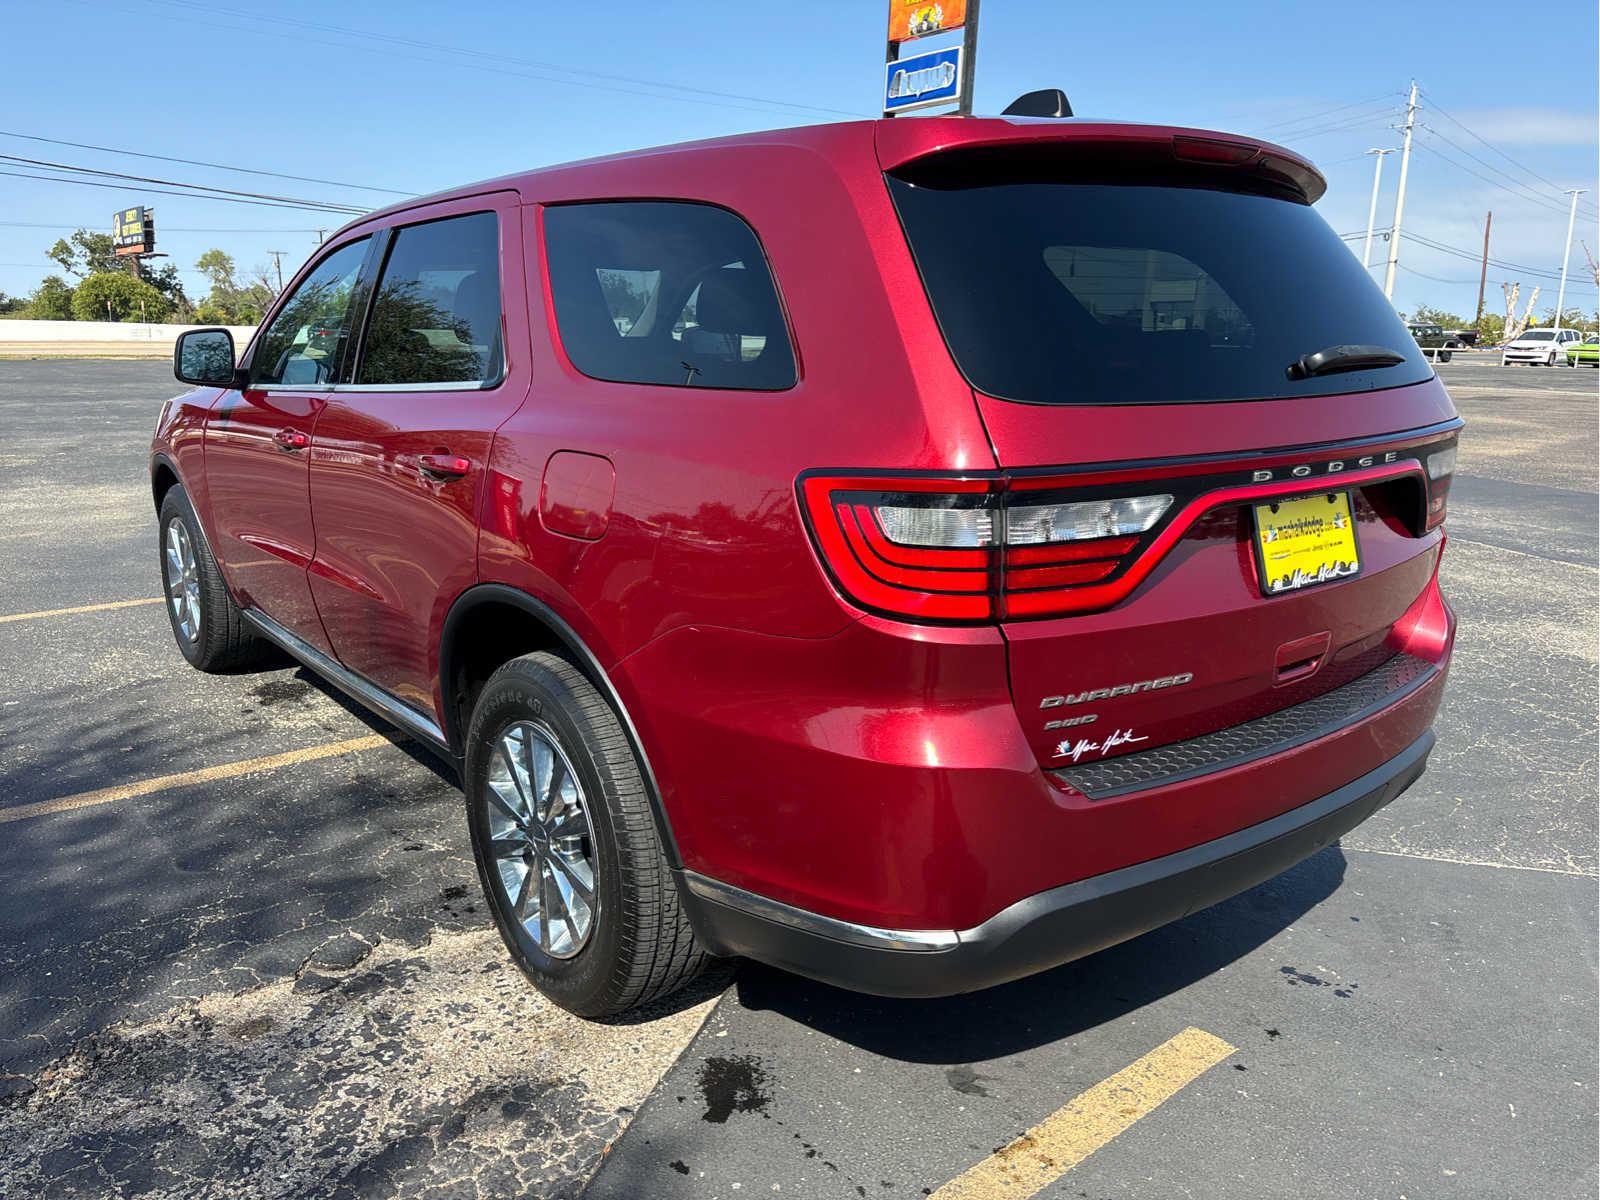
(1057, 1144)
(82, 608)
(206, 775)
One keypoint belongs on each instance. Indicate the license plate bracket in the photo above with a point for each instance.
(1304, 541)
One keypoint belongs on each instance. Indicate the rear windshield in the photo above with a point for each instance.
(1054, 292)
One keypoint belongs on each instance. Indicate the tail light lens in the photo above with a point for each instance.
(998, 546)
(954, 550)
(1440, 466)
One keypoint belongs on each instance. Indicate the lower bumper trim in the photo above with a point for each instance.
(1047, 929)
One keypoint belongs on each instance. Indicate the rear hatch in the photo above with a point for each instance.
(1161, 336)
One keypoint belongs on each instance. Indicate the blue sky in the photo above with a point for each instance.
(418, 96)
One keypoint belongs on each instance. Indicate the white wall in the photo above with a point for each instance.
(106, 331)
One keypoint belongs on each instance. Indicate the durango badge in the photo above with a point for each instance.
(1122, 689)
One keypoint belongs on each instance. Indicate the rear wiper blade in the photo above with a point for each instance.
(1344, 358)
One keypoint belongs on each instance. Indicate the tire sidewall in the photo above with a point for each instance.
(175, 506)
(582, 982)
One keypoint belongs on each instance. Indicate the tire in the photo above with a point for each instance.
(205, 622)
(628, 941)
(1551, 361)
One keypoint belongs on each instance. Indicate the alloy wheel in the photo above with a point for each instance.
(183, 581)
(541, 840)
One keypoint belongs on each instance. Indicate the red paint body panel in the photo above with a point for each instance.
(260, 503)
(577, 493)
(395, 544)
(875, 770)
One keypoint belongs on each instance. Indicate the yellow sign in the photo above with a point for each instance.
(1304, 542)
(912, 19)
(133, 231)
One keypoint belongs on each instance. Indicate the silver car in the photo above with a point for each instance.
(1540, 347)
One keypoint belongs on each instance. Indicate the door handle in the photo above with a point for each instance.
(444, 466)
(291, 439)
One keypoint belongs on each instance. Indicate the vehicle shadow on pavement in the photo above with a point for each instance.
(1056, 1004)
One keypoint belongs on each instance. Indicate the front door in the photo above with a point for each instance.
(257, 442)
(397, 463)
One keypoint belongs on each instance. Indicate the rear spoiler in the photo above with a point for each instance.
(900, 143)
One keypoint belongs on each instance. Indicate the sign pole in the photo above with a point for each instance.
(892, 54)
(969, 58)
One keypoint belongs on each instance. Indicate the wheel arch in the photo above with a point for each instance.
(532, 625)
(163, 478)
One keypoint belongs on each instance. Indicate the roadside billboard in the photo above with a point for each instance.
(133, 231)
(912, 19)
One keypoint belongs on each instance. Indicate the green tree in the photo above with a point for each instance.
(85, 254)
(1428, 315)
(126, 298)
(1571, 318)
(11, 304)
(231, 302)
(1490, 326)
(51, 300)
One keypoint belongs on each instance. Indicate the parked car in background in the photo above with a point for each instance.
(1539, 347)
(1434, 340)
(1586, 352)
(854, 547)
(1465, 338)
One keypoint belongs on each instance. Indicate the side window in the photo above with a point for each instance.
(436, 315)
(663, 292)
(305, 344)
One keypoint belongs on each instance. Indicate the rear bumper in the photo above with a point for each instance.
(1047, 929)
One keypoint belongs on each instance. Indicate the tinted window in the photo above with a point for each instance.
(436, 316)
(305, 344)
(1055, 292)
(656, 292)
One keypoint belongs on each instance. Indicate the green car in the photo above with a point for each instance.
(1586, 352)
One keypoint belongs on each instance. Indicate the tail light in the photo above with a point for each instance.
(1440, 466)
(956, 550)
(995, 546)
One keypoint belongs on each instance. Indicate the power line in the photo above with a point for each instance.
(1520, 190)
(1474, 256)
(152, 191)
(1435, 278)
(1490, 145)
(352, 209)
(75, 225)
(194, 162)
(1440, 154)
(506, 64)
(1389, 96)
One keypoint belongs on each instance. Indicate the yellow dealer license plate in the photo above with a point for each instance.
(1304, 542)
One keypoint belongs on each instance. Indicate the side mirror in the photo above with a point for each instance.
(204, 356)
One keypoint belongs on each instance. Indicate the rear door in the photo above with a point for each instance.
(256, 444)
(397, 464)
(1135, 343)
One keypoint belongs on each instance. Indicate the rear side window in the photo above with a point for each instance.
(670, 293)
(436, 315)
(305, 344)
(1058, 292)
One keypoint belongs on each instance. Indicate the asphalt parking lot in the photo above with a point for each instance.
(241, 952)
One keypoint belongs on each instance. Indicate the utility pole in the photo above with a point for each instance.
(277, 263)
(1400, 196)
(1561, 296)
(1483, 275)
(969, 59)
(1372, 209)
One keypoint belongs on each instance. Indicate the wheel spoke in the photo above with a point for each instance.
(574, 882)
(508, 847)
(519, 781)
(525, 894)
(552, 793)
(499, 801)
(572, 823)
(546, 934)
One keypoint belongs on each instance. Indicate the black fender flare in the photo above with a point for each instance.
(500, 593)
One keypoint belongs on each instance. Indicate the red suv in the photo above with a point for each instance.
(913, 553)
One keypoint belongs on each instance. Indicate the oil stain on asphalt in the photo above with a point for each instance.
(733, 1084)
